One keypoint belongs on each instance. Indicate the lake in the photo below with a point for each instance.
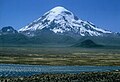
(17, 70)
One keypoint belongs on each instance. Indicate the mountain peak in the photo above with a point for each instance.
(58, 9)
(58, 12)
(62, 21)
(8, 30)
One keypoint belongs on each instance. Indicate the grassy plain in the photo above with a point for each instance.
(59, 55)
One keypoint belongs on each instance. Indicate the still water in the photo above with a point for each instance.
(8, 70)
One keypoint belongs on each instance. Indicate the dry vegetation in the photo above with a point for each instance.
(59, 56)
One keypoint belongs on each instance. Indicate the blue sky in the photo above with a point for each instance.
(103, 13)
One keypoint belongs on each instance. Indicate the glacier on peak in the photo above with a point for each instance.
(60, 20)
(58, 10)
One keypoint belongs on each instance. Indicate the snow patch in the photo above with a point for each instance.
(57, 30)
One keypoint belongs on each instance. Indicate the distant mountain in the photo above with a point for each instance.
(60, 26)
(111, 41)
(118, 33)
(87, 43)
(8, 30)
(62, 22)
(8, 35)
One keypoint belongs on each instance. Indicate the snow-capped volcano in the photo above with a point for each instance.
(62, 21)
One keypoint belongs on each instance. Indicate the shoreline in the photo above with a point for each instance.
(113, 76)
